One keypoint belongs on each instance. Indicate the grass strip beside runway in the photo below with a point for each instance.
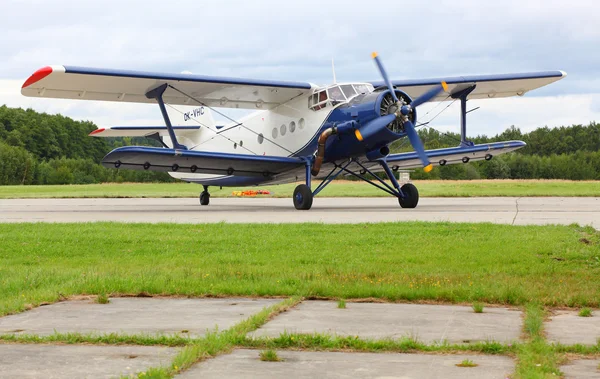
(339, 188)
(446, 262)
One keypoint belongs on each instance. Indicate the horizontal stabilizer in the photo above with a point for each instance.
(141, 131)
(203, 162)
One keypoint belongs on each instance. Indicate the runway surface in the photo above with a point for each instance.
(502, 210)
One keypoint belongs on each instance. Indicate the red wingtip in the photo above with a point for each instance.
(37, 76)
(96, 131)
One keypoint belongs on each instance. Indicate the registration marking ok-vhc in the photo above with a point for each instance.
(193, 113)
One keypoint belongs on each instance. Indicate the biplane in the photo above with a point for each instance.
(299, 131)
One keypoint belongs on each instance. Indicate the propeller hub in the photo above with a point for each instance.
(405, 110)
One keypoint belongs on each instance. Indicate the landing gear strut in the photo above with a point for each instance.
(204, 196)
(303, 195)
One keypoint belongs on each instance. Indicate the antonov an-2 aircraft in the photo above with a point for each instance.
(299, 131)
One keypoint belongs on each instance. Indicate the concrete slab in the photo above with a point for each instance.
(79, 361)
(582, 369)
(568, 328)
(187, 317)
(427, 323)
(302, 364)
(501, 210)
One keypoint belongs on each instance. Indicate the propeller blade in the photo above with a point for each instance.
(384, 75)
(373, 127)
(416, 142)
(429, 95)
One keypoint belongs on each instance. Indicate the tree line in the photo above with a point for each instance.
(38, 148)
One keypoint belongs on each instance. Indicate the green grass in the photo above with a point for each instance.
(269, 356)
(102, 299)
(467, 363)
(536, 358)
(585, 312)
(427, 188)
(341, 304)
(217, 343)
(494, 264)
(477, 307)
(324, 341)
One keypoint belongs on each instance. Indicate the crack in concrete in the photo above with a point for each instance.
(517, 213)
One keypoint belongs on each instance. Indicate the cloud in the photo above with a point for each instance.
(295, 40)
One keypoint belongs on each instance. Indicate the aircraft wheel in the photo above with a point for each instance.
(411, 196)
(204, 198)
(303, 197)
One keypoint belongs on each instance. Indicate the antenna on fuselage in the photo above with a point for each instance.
(333, 69)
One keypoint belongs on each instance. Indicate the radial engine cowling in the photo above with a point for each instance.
(386, 105)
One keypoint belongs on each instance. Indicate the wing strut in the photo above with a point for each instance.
(462, 96)
(157, 94)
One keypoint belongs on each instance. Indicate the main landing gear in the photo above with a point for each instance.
(204, 196)
(408, 195)
(411, 196)
(303, 197)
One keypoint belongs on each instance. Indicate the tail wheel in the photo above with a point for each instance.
(204, 198)
(411, 196)
(303, 197)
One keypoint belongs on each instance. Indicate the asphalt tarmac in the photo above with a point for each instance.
(501, 210)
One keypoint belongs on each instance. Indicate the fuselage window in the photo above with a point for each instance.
(292, 127)
(274, 133)
(283, 130)
(261, 138)
(301, 123)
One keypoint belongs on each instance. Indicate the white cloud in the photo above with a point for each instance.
(295, 40)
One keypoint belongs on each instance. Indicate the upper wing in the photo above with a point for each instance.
(454, 155)
(486, 86)
(202, 162)
(70, 82)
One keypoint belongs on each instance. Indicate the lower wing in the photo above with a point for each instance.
(452, 155)
(202, 162)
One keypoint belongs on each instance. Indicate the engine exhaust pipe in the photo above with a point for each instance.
(342, 128)
(316, 168)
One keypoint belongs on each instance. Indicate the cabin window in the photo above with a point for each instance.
(301, 123)
(282, 130)
(260, 138)
(274, 133)
(292, 126)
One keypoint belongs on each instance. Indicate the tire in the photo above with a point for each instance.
(303, 197)
(411, 196)
(204, 198)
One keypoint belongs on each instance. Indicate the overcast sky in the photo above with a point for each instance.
(296, 41)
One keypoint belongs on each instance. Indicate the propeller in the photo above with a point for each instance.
(404, 110)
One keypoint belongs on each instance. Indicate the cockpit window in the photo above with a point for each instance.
(348, 90)
(361, 88)
(335, 94)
